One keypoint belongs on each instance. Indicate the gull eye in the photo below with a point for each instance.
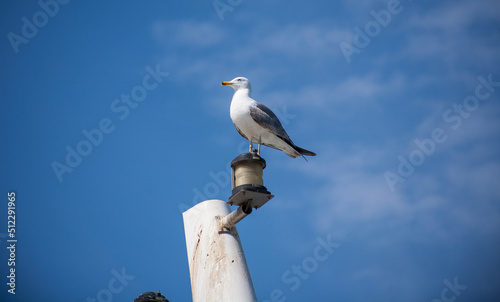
(239, 80)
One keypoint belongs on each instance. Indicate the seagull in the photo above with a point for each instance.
(257, 123)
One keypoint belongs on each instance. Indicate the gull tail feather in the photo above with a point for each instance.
(304, 151)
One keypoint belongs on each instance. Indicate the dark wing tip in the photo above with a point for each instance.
(305, 152)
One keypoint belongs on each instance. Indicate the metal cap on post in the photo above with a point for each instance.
(247, 182)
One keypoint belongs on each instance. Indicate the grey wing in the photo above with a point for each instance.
(267, 119)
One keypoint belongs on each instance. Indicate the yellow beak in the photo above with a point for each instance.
(225, 83)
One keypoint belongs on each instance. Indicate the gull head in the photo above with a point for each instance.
(238, 83)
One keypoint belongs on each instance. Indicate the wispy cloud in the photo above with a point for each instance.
(459, 187)
(265, 43)
(354, 189)
(356, 93)
(450, 32)
(299, 40)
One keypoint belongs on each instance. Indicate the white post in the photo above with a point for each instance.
(217, 264)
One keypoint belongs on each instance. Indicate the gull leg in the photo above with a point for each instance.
(258, 150)
(251, 147)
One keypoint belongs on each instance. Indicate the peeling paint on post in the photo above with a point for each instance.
(217, 264)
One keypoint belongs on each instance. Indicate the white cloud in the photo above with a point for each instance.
(447, 32)
(353, 190)
(301, 40)
(456, 16)
(354, 197)
(339, 99)
(454, 191)
(221, 49)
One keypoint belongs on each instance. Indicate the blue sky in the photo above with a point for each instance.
(400, 100)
